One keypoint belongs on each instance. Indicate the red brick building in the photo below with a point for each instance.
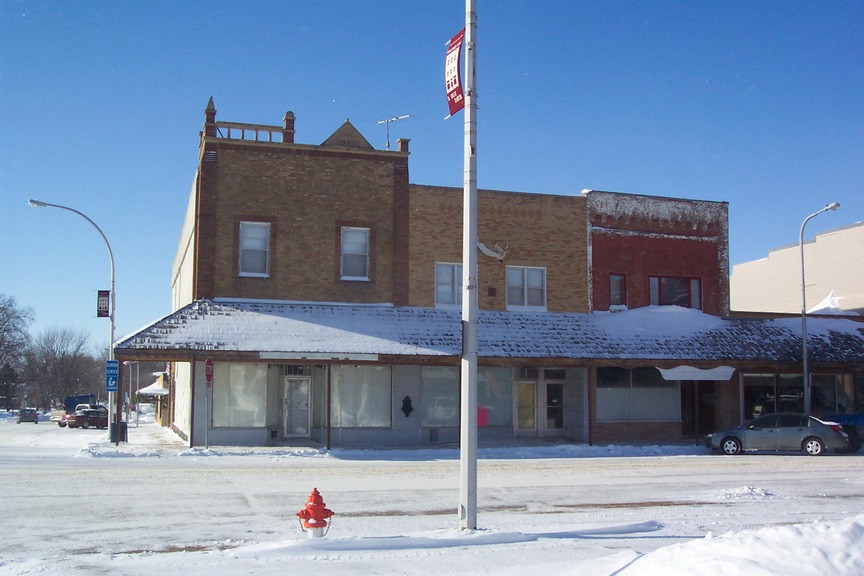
(658, 251)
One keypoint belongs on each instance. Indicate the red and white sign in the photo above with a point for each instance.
(453, 73)
(103, 299)
(208, 371)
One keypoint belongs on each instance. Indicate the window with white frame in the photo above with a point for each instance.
(254, 250)
(526, 287)
(671, 291)
(448, 284)
(354, 253)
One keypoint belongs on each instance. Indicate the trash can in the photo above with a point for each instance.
(112, 432)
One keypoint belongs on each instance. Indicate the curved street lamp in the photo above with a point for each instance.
(40, 204)
(805, 372)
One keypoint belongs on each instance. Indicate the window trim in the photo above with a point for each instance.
(656, 282)
(457, 285)
(342, 228)
(623, 290)
(526, 306)
(238, 260)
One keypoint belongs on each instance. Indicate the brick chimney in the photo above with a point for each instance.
(403, 144)
(210, 119)
(288, 128)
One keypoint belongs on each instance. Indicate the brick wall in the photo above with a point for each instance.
(306, 192)
(643, 236)
(646, 432)
(539, 229)
(639, 257)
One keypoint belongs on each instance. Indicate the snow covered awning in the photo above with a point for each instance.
(255, 330)
(154, 389)
(721, 373)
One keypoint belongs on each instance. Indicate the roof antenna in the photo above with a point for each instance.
(387, 122)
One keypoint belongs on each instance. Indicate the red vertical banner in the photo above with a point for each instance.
(453, 73)
(103, 299)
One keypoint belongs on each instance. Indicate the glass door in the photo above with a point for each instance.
(297, 412)
(554, 407)
(526, 407)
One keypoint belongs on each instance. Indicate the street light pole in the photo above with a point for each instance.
(40, 204)
(805, 371)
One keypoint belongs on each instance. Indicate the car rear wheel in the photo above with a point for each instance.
(731, 446)
(61, 424)
(85, 425)
(814, 446)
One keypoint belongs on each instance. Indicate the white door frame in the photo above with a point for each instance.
(288, 408)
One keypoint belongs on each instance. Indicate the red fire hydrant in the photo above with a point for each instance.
(314, 515)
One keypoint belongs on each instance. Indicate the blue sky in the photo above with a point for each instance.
(759, 104)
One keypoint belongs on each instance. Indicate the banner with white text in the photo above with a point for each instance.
(453, 73)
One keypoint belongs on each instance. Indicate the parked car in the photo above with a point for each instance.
(70, 404)
(87, 417)
(70, 415)
(853, 425)
(782, 431)
(28, 415)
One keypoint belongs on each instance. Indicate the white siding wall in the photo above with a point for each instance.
(181, 276)
(833, 261)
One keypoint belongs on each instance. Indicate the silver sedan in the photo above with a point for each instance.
(784, 431)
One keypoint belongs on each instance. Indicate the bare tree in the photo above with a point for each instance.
(14, 336)
(9, 387)
(58, 364)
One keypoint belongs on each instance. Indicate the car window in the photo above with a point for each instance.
(792, 421)
(765, 422)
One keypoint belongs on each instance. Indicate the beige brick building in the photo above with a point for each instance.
(324, 289)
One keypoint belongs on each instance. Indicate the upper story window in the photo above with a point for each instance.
(448, 284)
(526, 288)
(354, 254)
(668, 291)
(617, 290)
(254, 249)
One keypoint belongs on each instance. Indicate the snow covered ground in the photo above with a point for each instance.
(72, 502)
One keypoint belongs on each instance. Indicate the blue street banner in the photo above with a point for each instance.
(112, 371)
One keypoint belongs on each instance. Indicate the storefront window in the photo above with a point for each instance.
(361, 397)
(758, 395)
(495, 396)
(832, 394)
(636, 395)
(439, 394)
(239, 395)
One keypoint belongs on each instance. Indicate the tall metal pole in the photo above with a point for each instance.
(468, 418)
(113, 297)
(805, 368)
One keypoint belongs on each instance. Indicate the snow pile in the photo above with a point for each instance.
(549, 509)
(806, 549)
